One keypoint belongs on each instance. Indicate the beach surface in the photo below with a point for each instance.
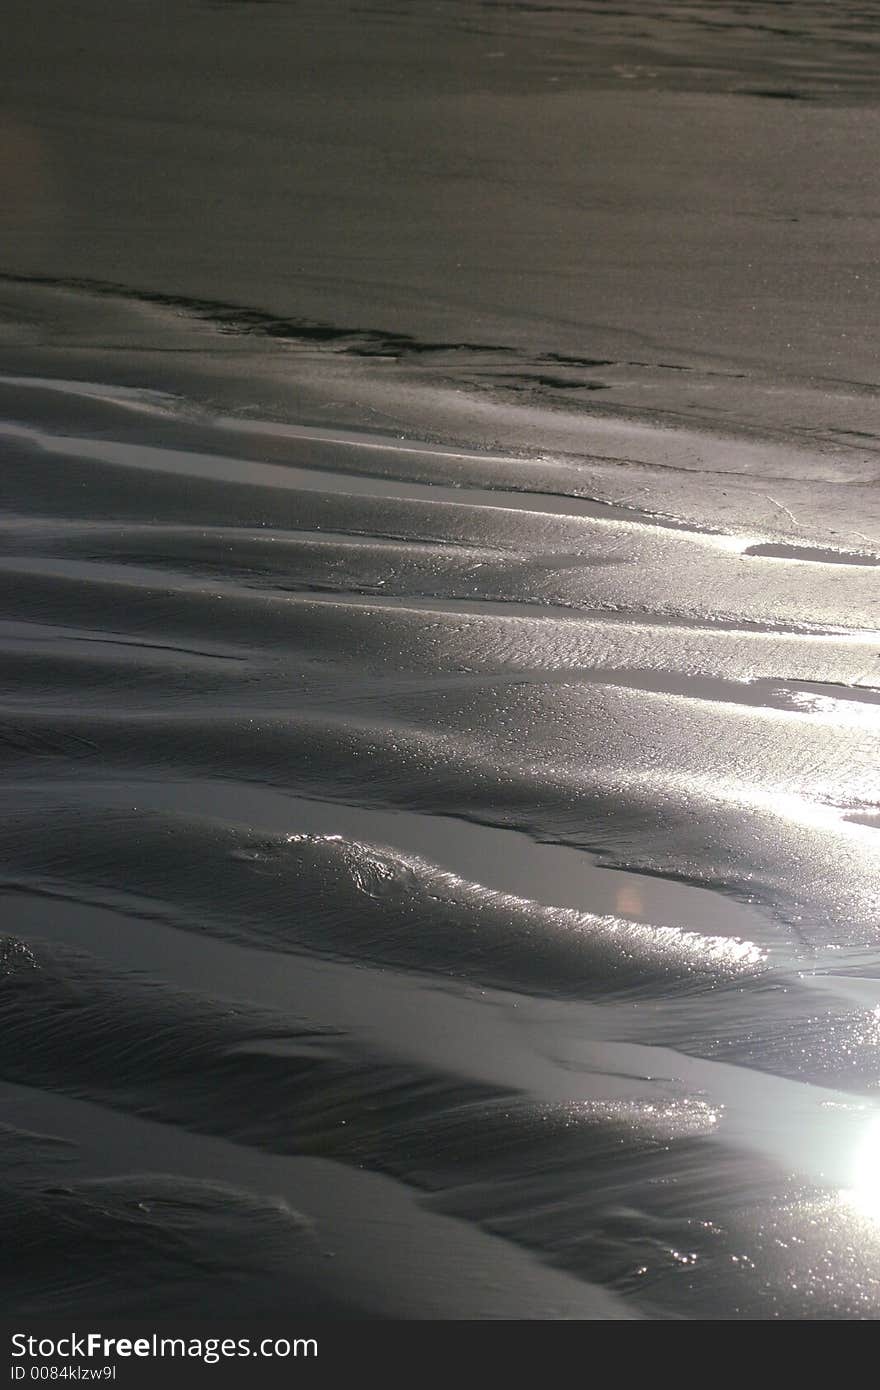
(440, 660)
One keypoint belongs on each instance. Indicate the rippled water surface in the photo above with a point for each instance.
(440, 661)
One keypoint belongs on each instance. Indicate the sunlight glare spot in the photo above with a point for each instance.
(863, 1196)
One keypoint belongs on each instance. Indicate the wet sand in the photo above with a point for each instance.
(439, 673)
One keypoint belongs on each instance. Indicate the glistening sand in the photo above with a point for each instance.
(439, 680)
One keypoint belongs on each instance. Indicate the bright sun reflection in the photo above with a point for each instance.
(863, 1195)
